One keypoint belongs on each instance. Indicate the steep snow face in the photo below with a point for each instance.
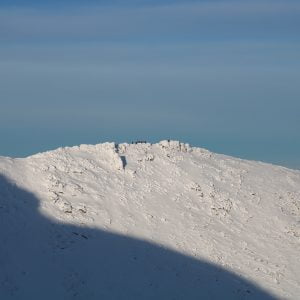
(142, 221)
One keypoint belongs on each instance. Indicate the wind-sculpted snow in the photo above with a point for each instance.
(142, 221)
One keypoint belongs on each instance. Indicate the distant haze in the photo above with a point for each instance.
(218, 74)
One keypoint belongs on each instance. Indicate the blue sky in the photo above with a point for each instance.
(219, 74)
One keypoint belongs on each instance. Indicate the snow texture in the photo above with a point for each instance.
(147, 221)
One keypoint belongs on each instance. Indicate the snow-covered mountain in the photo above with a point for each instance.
(142, 221)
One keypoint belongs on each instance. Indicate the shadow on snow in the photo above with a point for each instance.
(42, 259)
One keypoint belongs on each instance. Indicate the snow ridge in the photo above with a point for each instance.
(239, 215)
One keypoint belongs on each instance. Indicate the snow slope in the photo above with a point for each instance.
(142, 221)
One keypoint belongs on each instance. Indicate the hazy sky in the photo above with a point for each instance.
(220, 74)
